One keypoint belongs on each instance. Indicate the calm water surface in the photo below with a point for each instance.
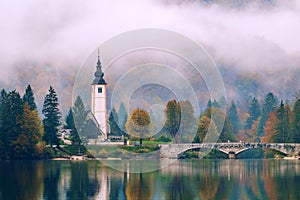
(193, 179)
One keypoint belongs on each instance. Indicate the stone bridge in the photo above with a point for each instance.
(231, 149)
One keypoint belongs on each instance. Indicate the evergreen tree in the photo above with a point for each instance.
(52, 118)
(278, 126)
(289, 120)
(76, 121)
(12, 109)
(227, 132)
(215, 104)
(70, 124)
(209, 104)
(29, 98)
(113, 123)
(233, 118)
(282, 126)
(296, 123)
(254, 112)
(80, 115)
(122, 117)
(222, 102)
(269, 105)
(3, 99)
(173, 118)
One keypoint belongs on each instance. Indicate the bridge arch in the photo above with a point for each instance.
(249, 148)
(179, 154)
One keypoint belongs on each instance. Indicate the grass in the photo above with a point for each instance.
(142, 149)
(150, 143)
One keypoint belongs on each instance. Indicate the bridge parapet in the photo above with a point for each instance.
(174, 150)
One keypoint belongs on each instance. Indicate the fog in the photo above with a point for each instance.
(257, 36)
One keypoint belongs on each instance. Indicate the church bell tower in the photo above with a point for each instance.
(98, 104)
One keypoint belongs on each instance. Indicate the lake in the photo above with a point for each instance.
(183, 179)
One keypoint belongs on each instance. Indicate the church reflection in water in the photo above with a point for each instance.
(193, 179)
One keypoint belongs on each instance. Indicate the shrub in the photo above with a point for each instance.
(164, 138)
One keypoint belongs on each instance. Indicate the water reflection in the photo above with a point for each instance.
(196, 179)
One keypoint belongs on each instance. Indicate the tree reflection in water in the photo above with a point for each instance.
(192, 179)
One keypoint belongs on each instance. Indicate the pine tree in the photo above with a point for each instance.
(222, 102)
(122, 117)
(282, 125)
(227, 132)
(215, 104)
(29, 98)
(3, 99)
(80, 115)
(289, 120)
(233, 118)
(209, 104)
(113, 123)
(52, 118)
(296, 123)
(269, 105)
(70, 124)
(254, 112)
(12, 109)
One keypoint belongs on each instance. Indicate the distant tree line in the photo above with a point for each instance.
(23, 134)
(265, 121)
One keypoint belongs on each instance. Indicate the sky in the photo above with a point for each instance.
(255, 36)
(64, 32)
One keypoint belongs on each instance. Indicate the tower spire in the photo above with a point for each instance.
(99, 73)
(98, 62)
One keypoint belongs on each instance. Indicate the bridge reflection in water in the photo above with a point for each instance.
(231, 149)
(183, 179)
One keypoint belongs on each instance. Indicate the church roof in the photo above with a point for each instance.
(99, 74)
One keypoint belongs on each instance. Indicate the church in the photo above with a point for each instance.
(99, 100)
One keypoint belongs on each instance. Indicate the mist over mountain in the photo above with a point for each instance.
(255, 44)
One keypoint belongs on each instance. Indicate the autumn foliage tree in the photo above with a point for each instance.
(188, 122)
(278, 127)
(270, 104)
(270, 128)
(26, 145)
(207, 131)
(139, 124)
(173, 118)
